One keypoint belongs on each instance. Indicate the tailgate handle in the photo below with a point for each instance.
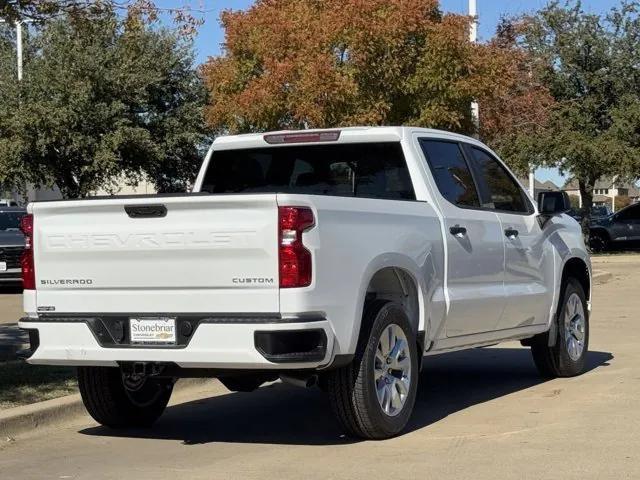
(146, 211)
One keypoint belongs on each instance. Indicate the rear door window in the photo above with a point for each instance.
(498, 189)
(368, 170)
(451, 172)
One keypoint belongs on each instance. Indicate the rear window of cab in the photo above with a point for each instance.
(367, 170)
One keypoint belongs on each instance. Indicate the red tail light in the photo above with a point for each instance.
(26, 260)
(295, 259)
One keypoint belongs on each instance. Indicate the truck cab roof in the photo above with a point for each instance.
(346, 135)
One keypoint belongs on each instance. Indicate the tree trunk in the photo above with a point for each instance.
(68, 185)
(586, 192)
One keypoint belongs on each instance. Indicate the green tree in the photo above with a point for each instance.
(101, 100)
(589, 63)
(184, 14)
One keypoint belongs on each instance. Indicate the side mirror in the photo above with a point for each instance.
(553, 203)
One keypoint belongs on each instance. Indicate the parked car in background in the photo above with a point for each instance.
(7, 202)
(336, 256)
(620, 229)
(597, 211)
(11, 244)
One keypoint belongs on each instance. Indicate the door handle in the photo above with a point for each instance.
(511, 233)
(458, 231)
(146, 211)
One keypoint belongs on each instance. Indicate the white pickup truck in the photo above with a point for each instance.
(340, 257)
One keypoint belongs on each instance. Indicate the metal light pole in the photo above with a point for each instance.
(473, 38)
(18, 25)
(19, 48)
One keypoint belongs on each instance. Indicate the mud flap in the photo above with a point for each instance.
(553, 332)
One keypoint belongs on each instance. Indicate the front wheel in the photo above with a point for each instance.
(116, 401)
(373, 397)
(567, 357)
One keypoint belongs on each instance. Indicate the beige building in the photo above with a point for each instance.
(547, 186)
(606, 191)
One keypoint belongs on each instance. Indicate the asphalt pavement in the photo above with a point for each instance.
(481, 414)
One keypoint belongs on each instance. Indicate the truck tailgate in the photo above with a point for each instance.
(207, 254)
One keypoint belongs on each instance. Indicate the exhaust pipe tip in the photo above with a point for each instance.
(297, 380)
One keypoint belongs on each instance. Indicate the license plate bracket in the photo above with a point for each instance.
(152, 330)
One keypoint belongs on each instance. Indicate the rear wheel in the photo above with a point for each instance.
(566, 358)
(373, 397)
(119, 401)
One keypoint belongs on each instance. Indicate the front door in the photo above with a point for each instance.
(474, 246)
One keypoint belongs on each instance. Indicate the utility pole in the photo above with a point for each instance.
(19, 48)
(18, 25)
(473, 38)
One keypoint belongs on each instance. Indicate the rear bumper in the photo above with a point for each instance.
(73, 341)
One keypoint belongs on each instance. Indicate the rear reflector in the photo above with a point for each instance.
(302, 137)
(294, 258)
(26, 260)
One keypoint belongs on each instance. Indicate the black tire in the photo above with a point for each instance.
(113, 405)
(598, 242)
(555, 361)
(352, 389)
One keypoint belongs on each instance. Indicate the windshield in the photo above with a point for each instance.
(370, 170)
(10, 220)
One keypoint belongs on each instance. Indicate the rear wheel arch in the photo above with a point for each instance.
(398, 285)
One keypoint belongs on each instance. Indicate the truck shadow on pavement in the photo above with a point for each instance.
(280, 414)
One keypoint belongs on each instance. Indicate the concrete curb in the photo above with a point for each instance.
(600, 277)
(19, 420)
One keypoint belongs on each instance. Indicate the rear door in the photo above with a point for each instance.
(475, 251)
(190, 253)
(529, 267)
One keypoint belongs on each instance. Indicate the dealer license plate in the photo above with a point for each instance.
(156, 330)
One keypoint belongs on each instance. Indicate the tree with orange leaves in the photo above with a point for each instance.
(311, 63)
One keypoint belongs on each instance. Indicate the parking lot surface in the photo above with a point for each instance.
(481, 414)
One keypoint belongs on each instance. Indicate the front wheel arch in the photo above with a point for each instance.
(577, 268)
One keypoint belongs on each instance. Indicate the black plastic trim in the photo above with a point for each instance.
(205, 317)
(339, 361)
(34, 343)
(112, 330)
(281, 346)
